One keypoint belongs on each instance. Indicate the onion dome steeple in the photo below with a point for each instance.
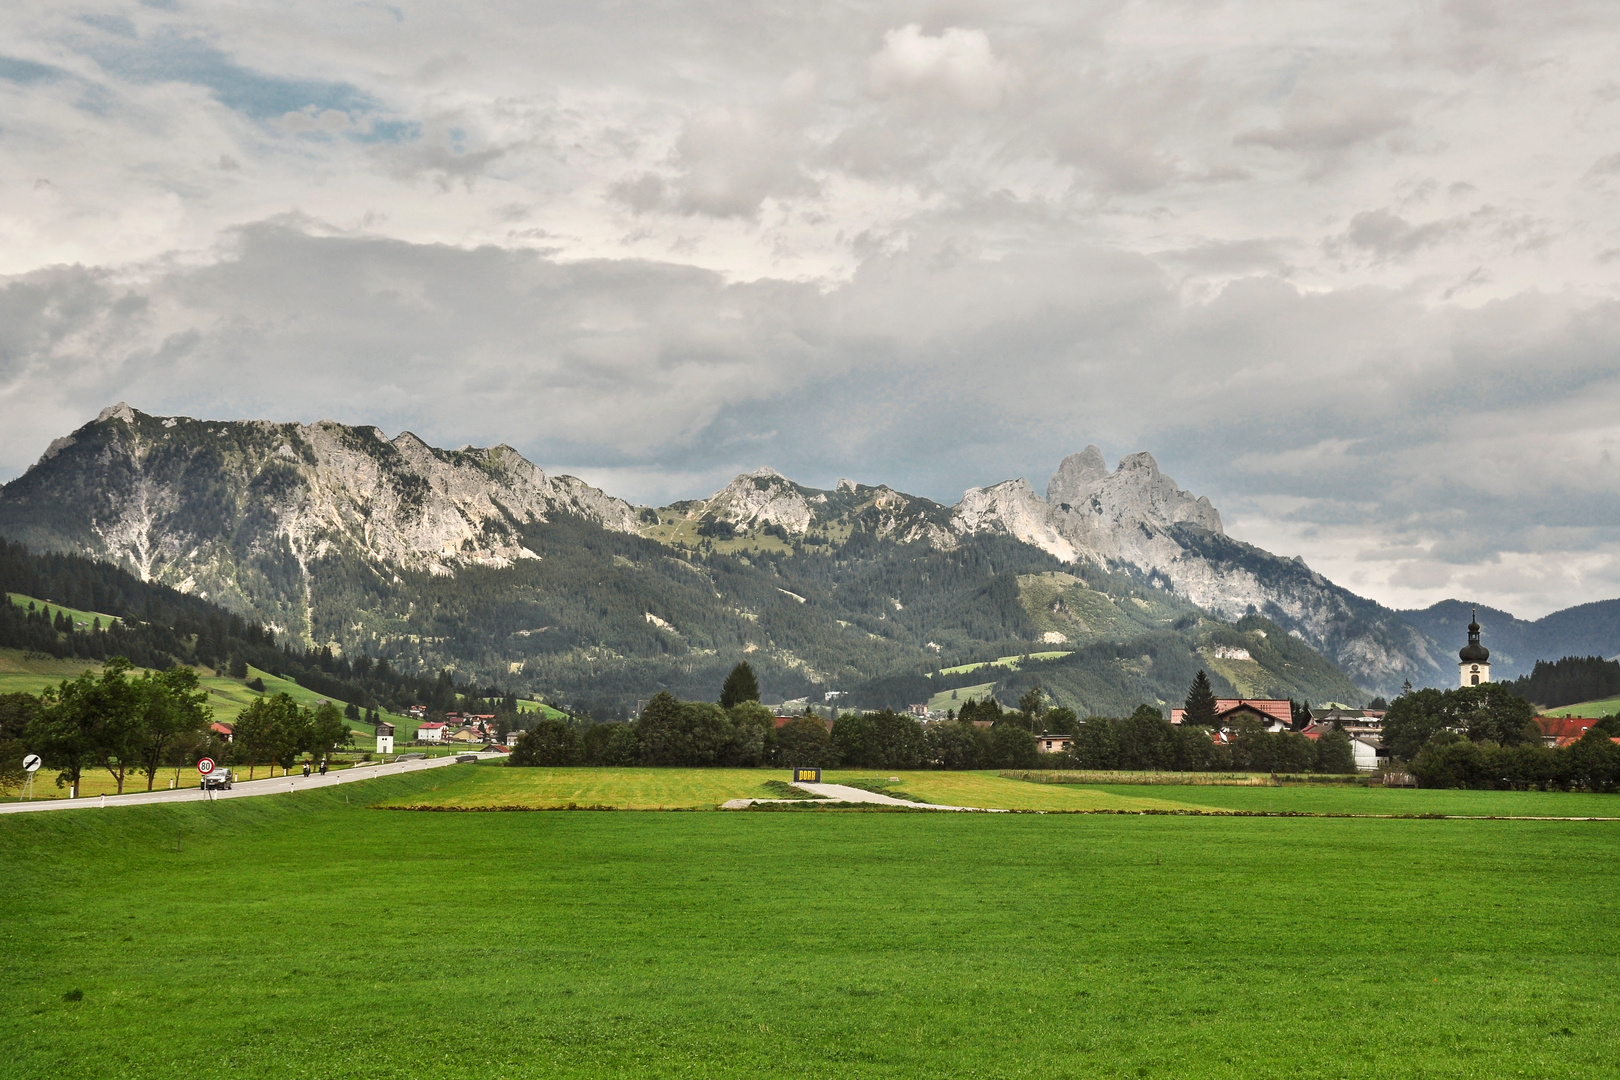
(1474, 652)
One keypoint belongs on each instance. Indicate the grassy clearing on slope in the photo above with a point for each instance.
(1011, 663)
(953, 699)
(83, 619)
(305, 937)
(1594, 709)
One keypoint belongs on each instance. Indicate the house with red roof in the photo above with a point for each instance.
(225, 731)
(1277, 714)
(1563, 730)
(432, 731)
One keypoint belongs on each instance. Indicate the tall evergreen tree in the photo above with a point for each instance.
(740, 686)
(1200, 702)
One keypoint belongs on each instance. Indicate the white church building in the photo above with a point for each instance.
(1474, 659)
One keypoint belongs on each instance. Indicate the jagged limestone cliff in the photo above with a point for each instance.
(1133, 519)
(240, 510)
(329, 532)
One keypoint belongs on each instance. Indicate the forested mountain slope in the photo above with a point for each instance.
(1516, 644)
(477, 560)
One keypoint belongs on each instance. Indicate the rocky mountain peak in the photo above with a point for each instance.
(173, 498)
(1076, 476)
(761, 497)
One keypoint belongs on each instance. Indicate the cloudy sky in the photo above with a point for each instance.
(1351, 270)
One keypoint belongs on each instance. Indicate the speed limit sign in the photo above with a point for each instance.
(205, 766)
(31, 763)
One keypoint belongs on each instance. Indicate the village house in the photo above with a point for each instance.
(432, 731)
(1277, 714)
(1369, 752)
(224, 731)
(1563, 730)
(1053, 744)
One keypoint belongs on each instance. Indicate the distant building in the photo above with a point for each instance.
(432, 731)
(919, 711)
(1277, 714)
(1053, 744)
(1563, 730)
(385, 737)
(1368, 751)
(1474, 659)
(224, 731)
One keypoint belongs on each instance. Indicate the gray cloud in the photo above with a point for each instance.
(1348, 270)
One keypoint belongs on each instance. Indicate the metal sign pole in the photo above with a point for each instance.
(31, 765)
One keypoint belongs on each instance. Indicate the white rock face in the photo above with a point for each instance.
(1090, 514)
(327, 486)
(762, 497)
(1136, 519)
(1013, 509)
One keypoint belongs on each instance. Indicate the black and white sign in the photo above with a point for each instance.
(205, 766)
(31, 763)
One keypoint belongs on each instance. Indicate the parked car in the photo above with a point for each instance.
(217, 780)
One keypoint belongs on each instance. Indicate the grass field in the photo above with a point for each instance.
(1594, 709)
(306, 936)
(701, 789)
(704, 789)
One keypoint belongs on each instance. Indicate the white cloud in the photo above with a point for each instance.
(956, 62)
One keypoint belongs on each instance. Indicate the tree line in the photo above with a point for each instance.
(1568, 681)
(132, 724)
(738, 731)
(1486, 737)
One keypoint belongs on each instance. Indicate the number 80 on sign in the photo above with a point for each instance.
(205, 766)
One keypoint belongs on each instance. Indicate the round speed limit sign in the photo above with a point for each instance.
(31, 763)
(205, 766)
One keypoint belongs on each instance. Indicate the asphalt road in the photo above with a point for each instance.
(244, 789)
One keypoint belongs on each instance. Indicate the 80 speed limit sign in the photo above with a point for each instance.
(205, 766)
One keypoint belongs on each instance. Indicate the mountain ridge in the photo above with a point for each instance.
(337, 533)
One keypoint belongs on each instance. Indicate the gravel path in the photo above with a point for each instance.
(245, 789)
(842, 793)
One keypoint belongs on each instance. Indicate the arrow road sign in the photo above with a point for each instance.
(32, 763)
(205, 766)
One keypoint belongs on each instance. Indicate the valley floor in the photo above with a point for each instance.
(306, 937)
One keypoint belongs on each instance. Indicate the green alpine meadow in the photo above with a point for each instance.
(319, 935)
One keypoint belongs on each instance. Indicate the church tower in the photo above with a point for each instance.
(1475, 659)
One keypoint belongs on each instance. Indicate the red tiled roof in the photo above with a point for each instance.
(429, 724)
(1564, 727)
(1276, 708)
(223, 729)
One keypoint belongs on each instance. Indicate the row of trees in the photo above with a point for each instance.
(1452, 760)
(121, 722)
(1486, 737)
(671, 732)
(277, 730)
(132, 724)
(1567, 681)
